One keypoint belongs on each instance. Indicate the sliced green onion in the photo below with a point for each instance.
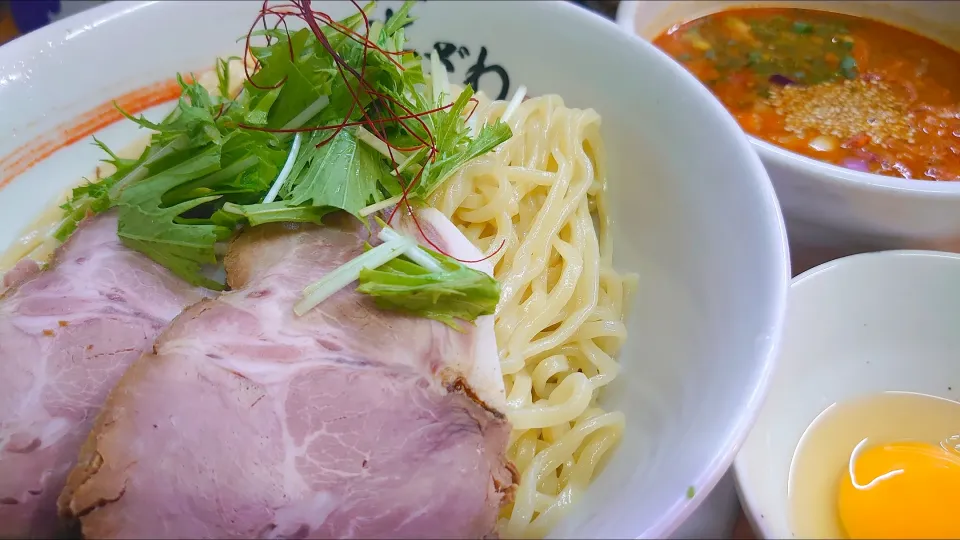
(230, 171)
(232, 208)
(285, 171)
(425, 63)
(386, 203)
(415, 253)
(376, 207)
(308, 113)
(439, 80)
(472, 126)
(374, 142)
(143, 170)
(514, 104)
(350, 272)
(414, 157)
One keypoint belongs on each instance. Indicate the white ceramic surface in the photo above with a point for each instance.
(855, 326)
(831, 211)
(695, 213)
(716, 517)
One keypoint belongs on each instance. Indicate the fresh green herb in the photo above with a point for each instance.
(455, 292)
(350, 272)
(194, 163)
(212, 161)
(801, 27)
(769, 46)
(343, 174)
(404, 277)
(691, 492)
(157, 231)
(455, 145)
(223, 75)
(94, 197)
(280, 211)
(849, 67)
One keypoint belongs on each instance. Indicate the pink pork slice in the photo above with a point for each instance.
(348, 422)
(66, 336)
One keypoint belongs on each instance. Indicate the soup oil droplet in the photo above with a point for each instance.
(882, 466)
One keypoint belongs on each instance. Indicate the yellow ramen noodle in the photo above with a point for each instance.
(560, 320)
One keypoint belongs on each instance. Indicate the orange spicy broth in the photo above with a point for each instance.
(846, 90)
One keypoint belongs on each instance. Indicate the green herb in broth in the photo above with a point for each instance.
(808, 51)
(846, 90)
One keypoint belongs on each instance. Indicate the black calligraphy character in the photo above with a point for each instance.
(445, 50)
(479, 69)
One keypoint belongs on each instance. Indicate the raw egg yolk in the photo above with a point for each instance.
(922, 501)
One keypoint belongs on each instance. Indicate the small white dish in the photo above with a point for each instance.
(855, 326)
(832, 211)
(695, 213)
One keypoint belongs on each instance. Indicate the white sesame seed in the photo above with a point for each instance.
(843, 109)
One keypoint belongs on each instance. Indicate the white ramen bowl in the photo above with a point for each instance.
(832, 211)
(695, 213)
(856, 326)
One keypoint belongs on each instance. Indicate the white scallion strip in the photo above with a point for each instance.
(414, 157)
(285, 171)
(376, 207)
(231, 170)
(425, 66)
(415, 253)
(142, 170)
(372, 141)
(308, 113)
(438, 76)
(472, 126)
(232, 208)
(514, 104)
(404, 164)
(350, 272)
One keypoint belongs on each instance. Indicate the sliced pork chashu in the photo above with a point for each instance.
(66, 336)
(347, 422)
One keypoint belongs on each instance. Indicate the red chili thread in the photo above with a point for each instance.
(307, 15)
(220, 112)
(476, 103)
(347, 124)
(364, 40)
(302, 10)
(262, 16)
(342, 65)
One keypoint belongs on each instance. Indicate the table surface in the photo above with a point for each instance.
(607, 8)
